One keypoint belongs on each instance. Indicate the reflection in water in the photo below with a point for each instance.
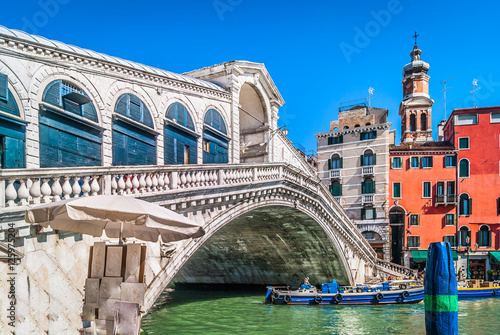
(244, 312)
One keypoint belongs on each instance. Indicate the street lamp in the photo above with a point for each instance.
(467, 242)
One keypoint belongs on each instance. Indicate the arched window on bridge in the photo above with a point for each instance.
(180, 136)
(134, 138)
(215, 140)
(69, 132)
(12, 129)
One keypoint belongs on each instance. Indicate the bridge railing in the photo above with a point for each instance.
(392, 268)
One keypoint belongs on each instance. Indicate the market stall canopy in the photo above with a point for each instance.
(119, 216)
(421, 255)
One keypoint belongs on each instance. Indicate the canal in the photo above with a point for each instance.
(244, 312)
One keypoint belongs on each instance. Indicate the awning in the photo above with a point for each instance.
(495, 257)
(421, 255)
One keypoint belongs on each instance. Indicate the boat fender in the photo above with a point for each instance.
(288, 298)
(402, 286)
(318, 299)
(405, 294)
(379, 296)
(338, 297)
(276, 295)
(359, 290)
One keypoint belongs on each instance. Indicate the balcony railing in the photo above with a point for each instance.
(367, 199)
(445, 199)
(335, 173)
(367, 171)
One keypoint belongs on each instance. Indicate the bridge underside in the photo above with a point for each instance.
(271, 245)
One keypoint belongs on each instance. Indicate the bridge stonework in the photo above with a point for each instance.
(266, 221)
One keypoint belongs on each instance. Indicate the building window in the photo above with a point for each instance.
(450, 219)
(368, 158)
(423, 122)
(464, 236)
(451, 239)
(450, 190)
(335, 162)
(396, 190)
(414, 162)
(336, 140)
(336, 188)
(413, 122)
(396, 162)
(463, 168)
(413, 241)
(368, 213)
(206, 145)
(450, 161)
(414, 219)
(427, 162)
(463, 143)
(370, 235)
(426, 192)
(465, 206)
(368, 186)
(370, 135)
(495, 117)
(484, 236)
(466, 119)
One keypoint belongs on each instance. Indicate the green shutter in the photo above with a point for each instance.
(419, 164)
(392, 162)
(470, 206)
(341, 139)
(363, 214)
(331, 189)
(362, 161)
(374, 134)
(4, 87)
(363, 187)
(330, 140)
(341, 162)
(329, 164)
(374, 159)
(373, 187)
(13, 155)
(431, 162)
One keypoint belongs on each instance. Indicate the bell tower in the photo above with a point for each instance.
(416, 107)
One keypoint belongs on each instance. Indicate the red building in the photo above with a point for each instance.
(475, 133)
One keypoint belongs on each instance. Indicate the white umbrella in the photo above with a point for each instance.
(120, 216)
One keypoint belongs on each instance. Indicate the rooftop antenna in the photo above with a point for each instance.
(444, 91)
(474, 89)
(370, 95)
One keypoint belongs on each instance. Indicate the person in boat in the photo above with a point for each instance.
(306, 284)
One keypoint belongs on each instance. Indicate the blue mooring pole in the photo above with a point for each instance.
(441, 299)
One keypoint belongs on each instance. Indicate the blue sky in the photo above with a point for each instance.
(319, 53)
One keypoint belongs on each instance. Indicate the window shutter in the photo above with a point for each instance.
(361, 136)
(330, 140)
(461, 206)
(392, 162)
(489, 238)
(329, 164)
(418, 219)
(374, 159)
(431, 161)
(454, 219)
(374, 134)
(498, 206)
(4, 87)
(362, 161)
(363, 214)
(373, 187)
(341, 162)
(340, 189)
(363, 187)
(341, 139)
(331, 189)
(470, 206)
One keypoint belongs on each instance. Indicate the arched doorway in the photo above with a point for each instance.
(397, 225)
(253, 126)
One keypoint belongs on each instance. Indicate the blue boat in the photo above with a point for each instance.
(478, 292)
(333, 294)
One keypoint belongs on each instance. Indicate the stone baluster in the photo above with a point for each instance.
(121, 185)
(167, 181)
(161, 181)
(182, 180)
(221, 177)
(114, 185)
(198, 178)
(66, 188)
(56, 189)
(135, 184)
(202, 178)
(86, 186)
(128, 184)
(142, 183)
(94, 186)
(35, 192)
(77, 189)
(23, 193)
(174, 180)
(10, 193)
(188, 179)
(154, 182)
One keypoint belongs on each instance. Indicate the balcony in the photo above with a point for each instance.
(446, 199)
(335, 174)
(367, 199)
(367, 171)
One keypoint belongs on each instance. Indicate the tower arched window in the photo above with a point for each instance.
(423, 122)
(134, 137)
(180, 137)
(465, 205)
(69, 133)
(413, 122)
(463, 168)
(464, 233)
(484, 236)
(12, 129)
(215, 141)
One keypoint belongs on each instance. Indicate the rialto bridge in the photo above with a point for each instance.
(76, 123)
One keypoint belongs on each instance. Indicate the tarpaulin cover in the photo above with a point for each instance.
(441, 300)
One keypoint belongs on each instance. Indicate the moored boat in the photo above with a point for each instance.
(332, 293)
(465, 292)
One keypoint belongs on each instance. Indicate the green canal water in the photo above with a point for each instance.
(244, 312)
